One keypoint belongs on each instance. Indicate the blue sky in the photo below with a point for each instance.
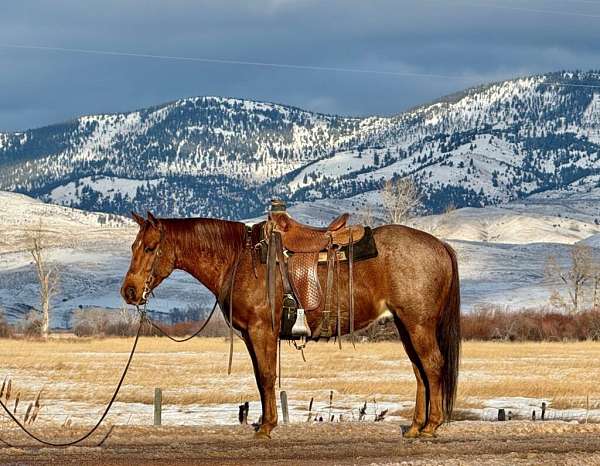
(463, 43)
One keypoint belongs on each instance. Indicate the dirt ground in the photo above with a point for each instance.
(477, 443)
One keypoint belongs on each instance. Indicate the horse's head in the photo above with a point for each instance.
(151, 260)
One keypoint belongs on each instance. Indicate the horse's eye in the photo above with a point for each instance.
(148, 250)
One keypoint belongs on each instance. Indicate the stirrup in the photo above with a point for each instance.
(293, 320)
(300, 328)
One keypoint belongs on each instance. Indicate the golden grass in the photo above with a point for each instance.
(196, 372)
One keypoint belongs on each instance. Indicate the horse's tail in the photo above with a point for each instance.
(448, 337)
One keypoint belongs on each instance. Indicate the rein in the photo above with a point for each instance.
(143, 318)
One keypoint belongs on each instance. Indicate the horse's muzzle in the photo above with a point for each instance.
(130, 295)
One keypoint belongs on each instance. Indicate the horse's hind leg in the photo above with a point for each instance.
(423, 338)
(420, 411)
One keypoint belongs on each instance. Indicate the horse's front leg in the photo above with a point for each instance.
(262, 346)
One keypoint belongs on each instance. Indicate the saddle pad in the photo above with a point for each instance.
(305, 281)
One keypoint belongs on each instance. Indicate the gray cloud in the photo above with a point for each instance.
(445, 37)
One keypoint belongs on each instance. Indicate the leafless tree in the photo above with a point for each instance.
(47, 276)
(595, 279)
(575, 276)
(400, 199)
(365, 215)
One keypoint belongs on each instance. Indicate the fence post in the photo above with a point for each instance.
(543, 411)
(310, 405)
(243, 413)
(501, 414)
(157, 406)
(284, 407)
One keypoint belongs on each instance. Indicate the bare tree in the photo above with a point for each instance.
(400, 198)
(47, 276)
(595, 278)
(575, 276)
(365, 215)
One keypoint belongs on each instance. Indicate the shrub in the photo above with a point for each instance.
(5, 329)
(92, 322)
(490, 322)
(31, 326)
(217, 327)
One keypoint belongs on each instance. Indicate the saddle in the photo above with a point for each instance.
(299, 249)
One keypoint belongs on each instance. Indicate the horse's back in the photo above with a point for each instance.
(416, 264)
(412, 244)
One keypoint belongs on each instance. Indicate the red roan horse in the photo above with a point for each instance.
(414, 276)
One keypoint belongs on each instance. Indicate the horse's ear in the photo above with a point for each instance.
(138, 219)
(152, 219)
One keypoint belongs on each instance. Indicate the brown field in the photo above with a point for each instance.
(80, 374)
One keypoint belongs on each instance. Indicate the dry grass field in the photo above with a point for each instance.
(78, 376)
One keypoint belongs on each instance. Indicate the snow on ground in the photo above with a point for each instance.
(83, 413)
(505, 225)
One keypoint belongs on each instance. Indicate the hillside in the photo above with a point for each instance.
(501, 250)
(226, 157)
(90, 252)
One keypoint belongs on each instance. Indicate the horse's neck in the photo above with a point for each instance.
(208, 261)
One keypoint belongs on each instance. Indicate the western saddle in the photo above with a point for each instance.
(298, 249)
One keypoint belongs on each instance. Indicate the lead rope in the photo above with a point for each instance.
(182, 340)
(97, 425)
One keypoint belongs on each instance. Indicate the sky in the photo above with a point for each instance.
(375, 57)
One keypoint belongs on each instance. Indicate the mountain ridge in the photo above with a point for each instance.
(226, 157)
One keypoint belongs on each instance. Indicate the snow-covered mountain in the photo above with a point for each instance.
(226, 157)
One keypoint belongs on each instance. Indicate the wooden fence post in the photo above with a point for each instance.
(243, 413)
(543, 410)
(310, 406)
(501, 414)
(284, 407)
(157, 406)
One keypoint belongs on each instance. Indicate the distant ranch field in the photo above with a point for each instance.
(76, 378)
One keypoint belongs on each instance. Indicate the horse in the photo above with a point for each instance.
(414, 277)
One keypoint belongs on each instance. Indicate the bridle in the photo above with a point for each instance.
(151, 274)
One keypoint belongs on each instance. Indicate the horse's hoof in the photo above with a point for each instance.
(260, 435)
(411, 433)
(427, 434)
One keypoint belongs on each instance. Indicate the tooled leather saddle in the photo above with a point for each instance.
(298, 249)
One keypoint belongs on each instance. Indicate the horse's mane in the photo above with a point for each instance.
(206, 234)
